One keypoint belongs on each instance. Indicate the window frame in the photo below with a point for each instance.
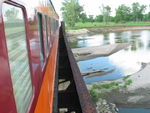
(46, 30)
(41, 37)
(45, 19)
(24, 12)
(50, 33)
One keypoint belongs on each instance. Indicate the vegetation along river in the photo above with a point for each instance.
(125, 62)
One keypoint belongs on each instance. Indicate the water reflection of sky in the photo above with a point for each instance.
(133, 110)
(124, 62)
(102, 63)
(136, 38)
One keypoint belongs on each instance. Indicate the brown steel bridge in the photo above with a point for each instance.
(71, 93)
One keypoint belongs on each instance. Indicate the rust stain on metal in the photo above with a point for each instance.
(86, 102)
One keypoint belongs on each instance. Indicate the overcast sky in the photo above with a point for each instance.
(91, 7)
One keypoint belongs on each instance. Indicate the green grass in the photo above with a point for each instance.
(115, 86)
(126, 77)
(128, 82)
(115, 83)
(80, 25)
(107, 86)
(95, 86)
(95, 96)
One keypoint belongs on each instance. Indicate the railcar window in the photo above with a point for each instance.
(18, 57)
(49, 31)
(52, 28)
(46, 33)
(53, 23)
(41, 38)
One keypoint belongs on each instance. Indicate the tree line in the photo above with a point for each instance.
(73, 12)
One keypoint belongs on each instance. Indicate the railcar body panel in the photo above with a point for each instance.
(42, 74)
(47, 89)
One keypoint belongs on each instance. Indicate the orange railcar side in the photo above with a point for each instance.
(45, 100)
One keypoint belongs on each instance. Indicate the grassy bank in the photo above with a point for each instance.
(80, 25)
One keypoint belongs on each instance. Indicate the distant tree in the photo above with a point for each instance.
(11, 14)
(146, 17)
(106, 10)
(123, 13)
(99, 18)
(137, 11)
(91, 18)
(71, 11)
(83, 17)
(112, 19)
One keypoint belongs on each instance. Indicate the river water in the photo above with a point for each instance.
(123, 63)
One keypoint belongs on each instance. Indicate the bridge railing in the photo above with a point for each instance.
(76, 96)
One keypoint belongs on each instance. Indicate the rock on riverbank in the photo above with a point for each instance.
(103, 106)
(97, 51)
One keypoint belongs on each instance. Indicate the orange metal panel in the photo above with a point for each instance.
(45, 100)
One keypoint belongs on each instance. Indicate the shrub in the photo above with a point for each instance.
(107, 86)
(115, 83)
(110, 85)
(94, 95)
(128, 82)
(95, 86)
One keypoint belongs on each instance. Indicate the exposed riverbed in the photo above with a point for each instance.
(125, 62)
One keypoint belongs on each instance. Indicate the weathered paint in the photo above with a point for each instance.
(86, 103)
